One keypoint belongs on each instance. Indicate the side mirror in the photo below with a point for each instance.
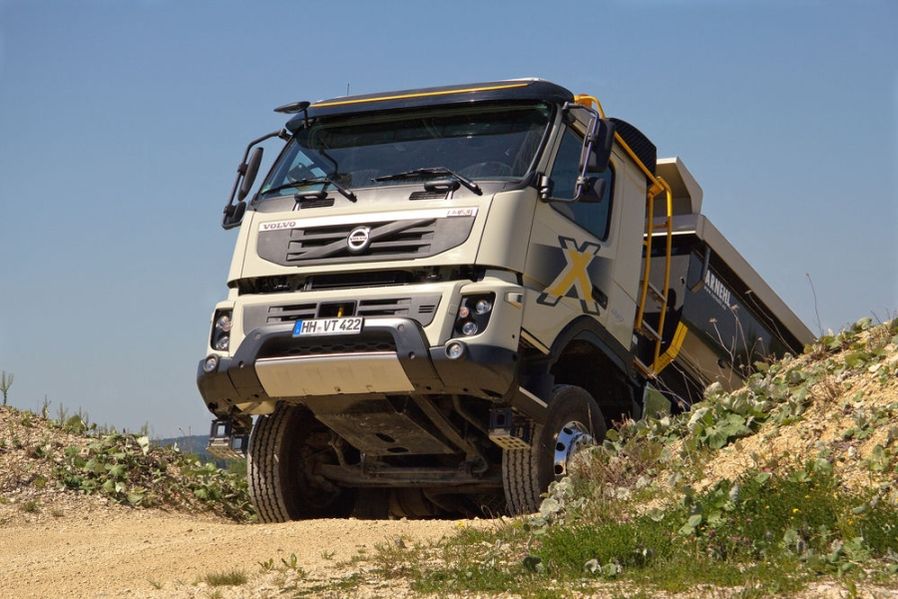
(233, 215)
(250, 170)
(243, 183)
(592, 190)
(602, 139)
(595, 158)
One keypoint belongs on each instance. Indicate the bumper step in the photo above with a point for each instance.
(225, 442)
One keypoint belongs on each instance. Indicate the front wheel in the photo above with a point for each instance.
(574, 421)
(285, 450)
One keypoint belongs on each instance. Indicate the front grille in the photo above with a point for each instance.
(421, 308)
(391, 307)
(331, 241)
(390, 240)
(279, 314)
(355, 280)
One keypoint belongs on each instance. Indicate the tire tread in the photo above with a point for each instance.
(263, 472)
(521, 467)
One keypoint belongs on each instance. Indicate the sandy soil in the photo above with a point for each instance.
(129, 553)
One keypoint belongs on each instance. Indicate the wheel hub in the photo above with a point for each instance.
(570, 440)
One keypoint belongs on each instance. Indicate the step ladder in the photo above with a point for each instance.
(662, 296)
(656, 186)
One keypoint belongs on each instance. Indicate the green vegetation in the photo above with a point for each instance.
(646, 510)
(69, 452)
(128, 470)
(229, 578)
(765, 533)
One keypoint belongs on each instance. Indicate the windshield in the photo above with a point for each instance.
(479, 141)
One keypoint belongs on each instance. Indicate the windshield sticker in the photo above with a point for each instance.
(377, 217)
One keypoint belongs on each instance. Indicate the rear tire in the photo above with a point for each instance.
(284, 450)
(574, 419)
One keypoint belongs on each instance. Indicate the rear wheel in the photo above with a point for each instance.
(285, 450)
(574, 421)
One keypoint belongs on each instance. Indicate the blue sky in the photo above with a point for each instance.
(121, 124)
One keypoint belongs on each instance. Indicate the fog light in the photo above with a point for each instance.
(469, 328)
(223, 323)
(455, 350)
(483, 306)
(221, 344)
(210, 364)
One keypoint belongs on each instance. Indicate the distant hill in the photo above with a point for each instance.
(195, 444)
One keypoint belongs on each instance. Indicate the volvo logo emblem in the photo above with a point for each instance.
(359, 239)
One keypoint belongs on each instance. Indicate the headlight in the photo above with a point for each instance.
(223, 323)
(221, 337)
(474, 314)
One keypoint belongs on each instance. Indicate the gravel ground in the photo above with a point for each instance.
(122, 552)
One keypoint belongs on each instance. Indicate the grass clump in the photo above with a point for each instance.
(228, 578)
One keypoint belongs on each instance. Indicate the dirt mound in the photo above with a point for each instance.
(835, 407)
(842, 410)
(50, 468)
(787, 486)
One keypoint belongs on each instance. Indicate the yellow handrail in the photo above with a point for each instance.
(587, 100)
(657, 185)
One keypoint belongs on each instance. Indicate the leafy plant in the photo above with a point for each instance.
(128, 470)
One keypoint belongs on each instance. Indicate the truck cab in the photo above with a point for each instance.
(437, 297)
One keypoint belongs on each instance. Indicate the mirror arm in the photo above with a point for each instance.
(589, 141)
(241, 168)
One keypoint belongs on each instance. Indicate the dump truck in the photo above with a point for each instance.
(439, 296)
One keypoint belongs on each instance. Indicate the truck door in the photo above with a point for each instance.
(570, 263)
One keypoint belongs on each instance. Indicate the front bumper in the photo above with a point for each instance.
(390, 356)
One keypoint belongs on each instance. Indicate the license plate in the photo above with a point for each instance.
(328, 326)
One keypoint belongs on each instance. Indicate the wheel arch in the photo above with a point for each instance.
(586, 355)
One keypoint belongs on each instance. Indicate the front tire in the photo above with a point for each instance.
(281, 463)
(574, 420)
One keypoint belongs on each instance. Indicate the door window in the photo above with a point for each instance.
(592, 216)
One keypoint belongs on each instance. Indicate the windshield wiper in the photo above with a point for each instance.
(435, 171)
(314, 181)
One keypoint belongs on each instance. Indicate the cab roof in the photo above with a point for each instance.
(513, 89)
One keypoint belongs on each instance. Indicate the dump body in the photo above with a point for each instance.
(723, 316)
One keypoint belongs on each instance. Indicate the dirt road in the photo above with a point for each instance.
(129, 553)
